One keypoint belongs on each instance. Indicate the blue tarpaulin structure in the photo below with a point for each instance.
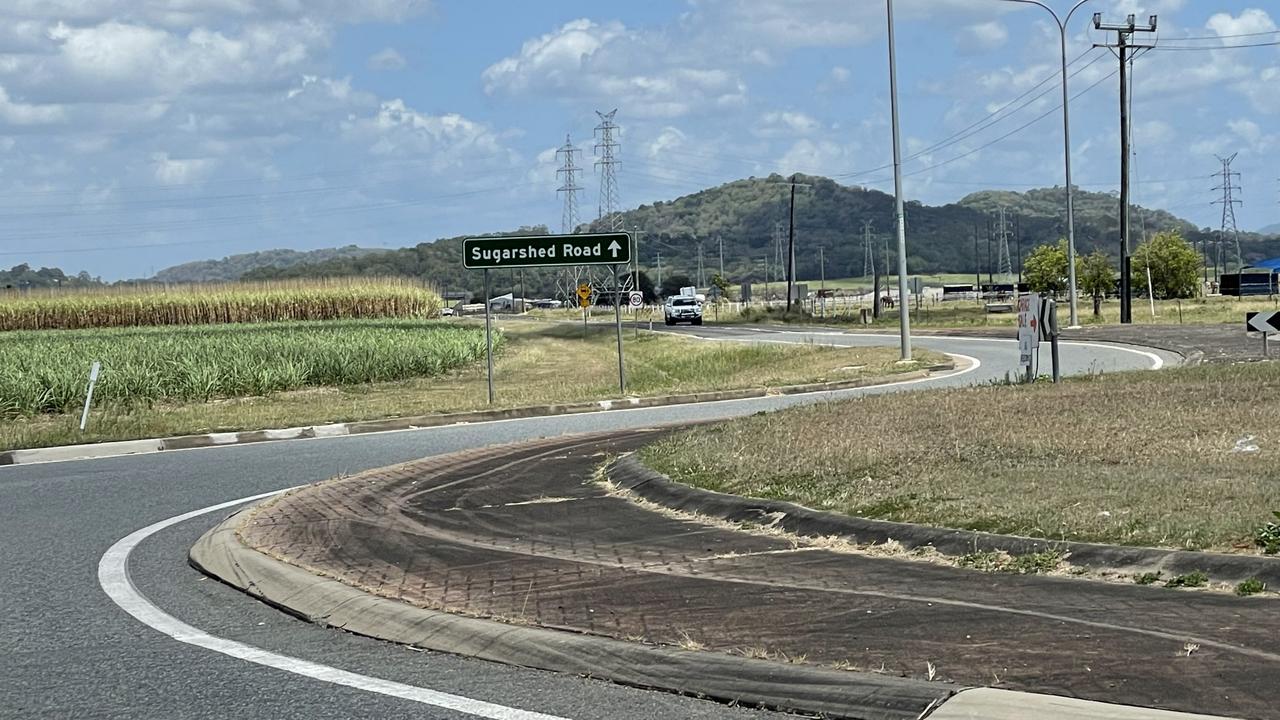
(1273, 264)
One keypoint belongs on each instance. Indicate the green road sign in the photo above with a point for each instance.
(546, 251)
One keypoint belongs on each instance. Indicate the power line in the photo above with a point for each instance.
(1224, 37)
(990, 119)
(1013, 132)
(1216, 47)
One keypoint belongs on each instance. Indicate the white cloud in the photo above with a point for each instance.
(1250, 21)
(826, 23)
(840, 74)
(386, 59)
(786, 123)
(1153, 132)
(553, 59)
(16, 113)
(189, 13)
(448, 141)
(983, 36)
(170, 171)
(642, 73)
(816, 157)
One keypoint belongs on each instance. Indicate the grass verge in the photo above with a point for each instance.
(45, 371)
(537, 364)
(1184, 458)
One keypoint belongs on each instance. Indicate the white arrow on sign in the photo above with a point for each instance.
(615, 247)
(1265, 322)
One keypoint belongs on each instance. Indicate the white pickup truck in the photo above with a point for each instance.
(682, 308)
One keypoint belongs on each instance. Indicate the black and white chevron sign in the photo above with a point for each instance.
(1263, 322)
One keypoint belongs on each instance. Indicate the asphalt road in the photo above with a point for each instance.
(69, 651)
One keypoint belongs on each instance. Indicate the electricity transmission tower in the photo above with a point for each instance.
(868, 253)
(607, 150)
(568, 172)
(1228, 203)
(569, 278)
(1003, 260)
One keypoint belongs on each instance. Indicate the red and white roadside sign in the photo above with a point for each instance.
(1028, 327)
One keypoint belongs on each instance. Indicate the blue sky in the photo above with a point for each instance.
(136, 134)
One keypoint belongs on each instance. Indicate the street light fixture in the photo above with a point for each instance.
(1066, 142)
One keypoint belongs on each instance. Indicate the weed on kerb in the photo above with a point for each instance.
(999, 561)
(1190, 580)
(1252, 586)
(1147, 578)
(1268, 536)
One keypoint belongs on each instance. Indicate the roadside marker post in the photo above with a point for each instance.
(88, 396)
(1028, 332)
(1049, 331)
(1267, 323)
(523, 251)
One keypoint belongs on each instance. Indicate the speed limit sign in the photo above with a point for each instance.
(635, 299)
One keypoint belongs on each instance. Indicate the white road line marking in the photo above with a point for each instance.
(1157, 362)
(113, 576)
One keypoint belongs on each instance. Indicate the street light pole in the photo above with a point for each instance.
(1066, 143)
(904, 313)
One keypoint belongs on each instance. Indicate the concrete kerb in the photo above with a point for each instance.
(220, 554)
(629, 473)
(206, 440)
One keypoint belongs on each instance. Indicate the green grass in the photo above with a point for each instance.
(46, 371)
(537, 363)
(1131, 458)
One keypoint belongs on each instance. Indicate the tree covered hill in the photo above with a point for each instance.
(236, 266)
(743, 215)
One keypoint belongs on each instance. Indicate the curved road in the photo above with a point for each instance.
(69, 651)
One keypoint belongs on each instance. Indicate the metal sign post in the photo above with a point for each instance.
(488, 336)
(617, 316)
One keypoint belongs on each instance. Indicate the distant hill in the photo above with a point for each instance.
(1273, 229)
(235, 266)
(742, 215)
(830, 215)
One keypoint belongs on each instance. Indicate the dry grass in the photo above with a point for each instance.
(539, 364)
(1142, 458)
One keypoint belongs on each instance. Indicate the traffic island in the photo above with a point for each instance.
(521, 554)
